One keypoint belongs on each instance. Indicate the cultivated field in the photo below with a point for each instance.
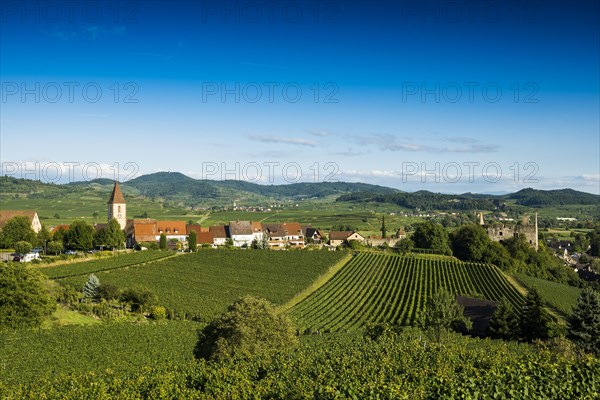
(377, 288)
(204, 283)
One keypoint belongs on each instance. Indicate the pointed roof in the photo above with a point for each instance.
(117, 196)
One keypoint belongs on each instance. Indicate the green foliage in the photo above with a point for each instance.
(192, 241)
(80, 236)
(377, 288)
(584, 323)
(429, 235)
(195, 283)
(594, 238)
(23, 300)
(406, 366)
(535, 321)
(557, 295)
(22, 247)
(91, 288)
(158, 313)
(443, 313)
(505, 322)
(140, 298)
(470, 242)
(15, 230)
(250, 327)
(109, 291)
(54, 247)
(383, 230)
(120, 260)
(43, 236)
(354, 244)
(162, 243)
(404, 245)
(121, 347)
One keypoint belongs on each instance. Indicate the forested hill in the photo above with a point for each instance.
(536, 198)
(425, 200)
(176, 187)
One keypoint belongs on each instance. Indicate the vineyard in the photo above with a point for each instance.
(203, 284)
(340, 366)
(389, 288)
(122, 347)
(89, 267)
(561, 297)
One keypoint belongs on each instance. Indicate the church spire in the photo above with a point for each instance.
(117, 196)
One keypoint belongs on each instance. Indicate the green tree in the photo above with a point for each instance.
(594, 240)
(15, 230)
(22, 247)
(429, 235)
(535, 321)
(54, 247)
(23, 300)
(101, 238)
(505, 322)
(43, 237)
(192, 241)
(80, 236)
(60, 234)
(115, 235)
(108, 291)
(404, 245)
(91, 288)
(162, 243)
(249, 327)
(584, 322)
(383, 231)
(443, 313)
(469, 243)
(140, 298)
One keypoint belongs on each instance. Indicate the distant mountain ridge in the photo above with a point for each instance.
(177, 187)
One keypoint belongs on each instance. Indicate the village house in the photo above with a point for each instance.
(242, 233)
(257, 231)
(294, 236)
(275, 234)
(6, 215)
(337, 238)
(313, 235)
(205, 238)
(220, 234)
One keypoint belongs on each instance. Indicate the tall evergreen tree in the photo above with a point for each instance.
(584, 322)
(91, 288)
(192, 241)
(535, 320)
(505, 323)
(162, 243)
(383, 231)
(115, 237)
(443, 313)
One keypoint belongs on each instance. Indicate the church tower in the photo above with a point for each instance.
(117, 207)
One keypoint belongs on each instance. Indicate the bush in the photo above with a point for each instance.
(108, 291)
(249, 327)
(158, 313)
(140, 298)
(23, 247)
(23, 300)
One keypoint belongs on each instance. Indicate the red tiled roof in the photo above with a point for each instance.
(6, 215)
(292, 228)
(205, 237)
(171, 227)
(218, 231)
(145, 230)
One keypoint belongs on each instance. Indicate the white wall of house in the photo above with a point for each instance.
(240, 240)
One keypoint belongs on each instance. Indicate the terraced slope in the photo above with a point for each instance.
(390, 288)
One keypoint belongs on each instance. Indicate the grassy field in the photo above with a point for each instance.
(558, 296)
(121, 347)
(388, 288)
(204, 283)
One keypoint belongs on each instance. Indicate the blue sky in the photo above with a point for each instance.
(444, 96)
